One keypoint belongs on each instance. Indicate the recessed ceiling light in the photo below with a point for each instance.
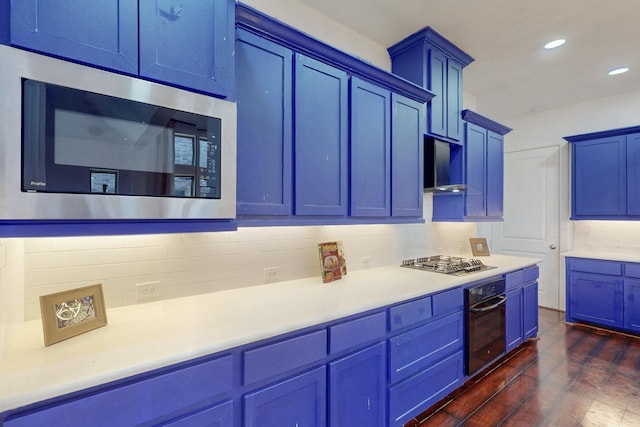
(618, 71)
(554, 44)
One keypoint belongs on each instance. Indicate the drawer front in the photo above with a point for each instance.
(531, 273)
(278, 358)
(514, 279)
(356, 332)
(164, 396)
(447, 302)
(217, 416)
(419, 348)
(613, 268)
(632, 270)
(410, 313)
(411, 397)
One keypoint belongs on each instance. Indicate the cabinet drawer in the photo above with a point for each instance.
(531, 273)
(415, 350)
(632, 270)
(410, 313)
(411, 397)
(514, 279)
(595, 266)
(217, 416)
(353, 333)
(447, 302)
(278, 358)
(164, 396)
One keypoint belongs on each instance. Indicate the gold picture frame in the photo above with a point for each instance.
(70, 313)
(479, 246)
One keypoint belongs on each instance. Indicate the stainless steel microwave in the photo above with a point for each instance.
(82, 143)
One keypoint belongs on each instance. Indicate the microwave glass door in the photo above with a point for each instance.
(82, 142)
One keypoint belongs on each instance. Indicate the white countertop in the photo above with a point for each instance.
(143, 337)
(605, 254)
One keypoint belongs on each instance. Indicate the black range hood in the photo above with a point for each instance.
(437, 167)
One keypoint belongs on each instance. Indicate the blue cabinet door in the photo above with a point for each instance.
(599, 175)
(633, 174)
(321, 138)
(454, 100)
(357, 394)
(407, 148)
(264, 107)
(495, 175)
(632, 304)
(514, 319)
(530, 310)
(188, 44)
(370, 170)
(476, 166)
(595, 298)
(437, 83)
(100, 33)
(299, 401)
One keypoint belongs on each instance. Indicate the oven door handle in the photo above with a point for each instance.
(502, 299)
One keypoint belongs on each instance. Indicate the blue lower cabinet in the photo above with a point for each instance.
(632, 304)
(514, 320)
(595, 298)
(530, 310)
(167, 396)
(357, 388)
(216, 416)
(299, 401)
(414, 395)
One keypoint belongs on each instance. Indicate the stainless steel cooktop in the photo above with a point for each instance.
(445, 264)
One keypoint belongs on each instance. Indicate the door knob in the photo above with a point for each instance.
(553, 246)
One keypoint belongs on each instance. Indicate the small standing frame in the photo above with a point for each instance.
(479, 246)
(70, 313)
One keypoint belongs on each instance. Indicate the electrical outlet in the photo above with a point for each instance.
(147, 290)
(271, 274)
(365, 261)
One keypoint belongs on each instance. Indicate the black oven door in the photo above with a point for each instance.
(486, 339)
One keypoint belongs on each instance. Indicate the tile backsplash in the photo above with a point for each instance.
(194, 263)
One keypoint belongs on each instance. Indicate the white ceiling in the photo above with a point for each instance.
(512, 74)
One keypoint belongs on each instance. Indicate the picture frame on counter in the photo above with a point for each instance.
(479, 246)
(69, 313)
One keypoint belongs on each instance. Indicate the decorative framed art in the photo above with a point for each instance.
(70, 313)
(479, 246)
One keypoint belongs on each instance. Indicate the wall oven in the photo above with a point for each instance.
(485, 324)
(82, 143)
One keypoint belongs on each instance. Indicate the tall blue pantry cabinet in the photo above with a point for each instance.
(188, 45)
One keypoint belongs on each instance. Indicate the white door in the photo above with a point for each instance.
(531, 213)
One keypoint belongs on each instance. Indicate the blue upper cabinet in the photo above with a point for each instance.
(264, 102)
(100, 33)
(188, 44)
(431, 61)
(321, 138)
(605, 175)
(370, 149)
(483, 174)
(407, 147)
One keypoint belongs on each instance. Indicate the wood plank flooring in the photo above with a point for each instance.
(572, 376)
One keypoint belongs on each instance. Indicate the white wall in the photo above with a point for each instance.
(548, 128)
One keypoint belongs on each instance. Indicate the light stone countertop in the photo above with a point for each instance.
(605, 254)
(148, 336)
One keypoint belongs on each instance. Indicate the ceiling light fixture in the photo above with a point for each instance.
(554, 44)
(618, 71)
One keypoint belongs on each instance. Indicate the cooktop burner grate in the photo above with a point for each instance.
(446, 264)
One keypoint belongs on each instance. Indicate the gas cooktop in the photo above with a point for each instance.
(455, 266)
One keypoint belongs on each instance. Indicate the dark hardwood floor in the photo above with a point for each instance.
(572, 376)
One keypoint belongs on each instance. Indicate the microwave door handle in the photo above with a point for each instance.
(502, 300)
